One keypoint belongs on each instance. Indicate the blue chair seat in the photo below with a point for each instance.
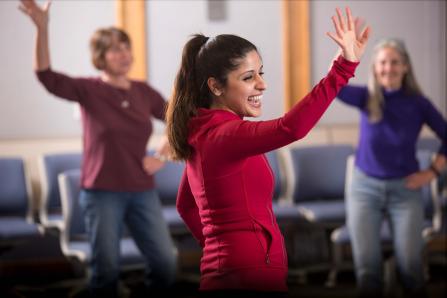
(16, 203)
(56, 217)
(173, 219)
(323, 211)
(12, 228)
(287, 212)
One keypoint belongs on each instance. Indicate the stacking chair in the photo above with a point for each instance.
(433, 144)
(315, 188)
(50, 166)
(340, 238)
(73, 238)
(16, 204)
(428, 143)
(286, 213)
(318, 180)
(167, 181)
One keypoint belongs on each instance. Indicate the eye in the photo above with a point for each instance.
(247, 78)
(261, 73)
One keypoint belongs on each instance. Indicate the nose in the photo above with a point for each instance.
(260, 83)
(387, 67)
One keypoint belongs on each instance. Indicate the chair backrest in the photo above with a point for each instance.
(50, 166)
(15, 191)
(433, 144)
(318, 172)
(428, 143)
(167, 181)
(430, 195)
(74, 239)
(69, 183)
(275, 165)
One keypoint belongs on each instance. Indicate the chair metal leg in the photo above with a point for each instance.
(337, 259)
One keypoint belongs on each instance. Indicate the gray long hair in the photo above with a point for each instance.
(409, 83)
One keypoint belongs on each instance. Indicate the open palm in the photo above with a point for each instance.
(38, 14)
(348, 35)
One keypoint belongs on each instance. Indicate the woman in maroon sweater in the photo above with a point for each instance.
(117, 183)
(225, 196)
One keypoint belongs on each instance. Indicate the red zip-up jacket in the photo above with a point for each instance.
(225, 196)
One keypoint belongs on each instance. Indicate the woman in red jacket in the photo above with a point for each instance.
(225, 196)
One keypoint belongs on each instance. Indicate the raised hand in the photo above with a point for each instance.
(39, 15)
(349, 35)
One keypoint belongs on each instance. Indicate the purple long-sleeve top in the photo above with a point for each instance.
(387, 149)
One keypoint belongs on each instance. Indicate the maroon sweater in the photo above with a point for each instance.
(116, 128)
(225, 196)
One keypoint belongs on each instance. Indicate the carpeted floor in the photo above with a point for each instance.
(186, 286)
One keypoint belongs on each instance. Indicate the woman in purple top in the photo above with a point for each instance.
(117, 183)
(387, 178)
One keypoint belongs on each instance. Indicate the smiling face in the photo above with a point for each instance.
(244, 88)
(389, 68)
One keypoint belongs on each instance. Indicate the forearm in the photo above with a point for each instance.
(41, 51)
(305, 114)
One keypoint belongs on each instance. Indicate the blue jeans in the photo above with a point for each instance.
(368, 200)
(105, 214)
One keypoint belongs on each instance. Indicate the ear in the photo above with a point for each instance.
(214, 86)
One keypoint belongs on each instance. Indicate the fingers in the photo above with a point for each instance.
(341, 19)
(350, 20)
(358, 24)
(364, 36)
(341, 24)
(152, 165)
(338, 29)
(23, 9)
(28, 4)
(47, 5)
(335, 38)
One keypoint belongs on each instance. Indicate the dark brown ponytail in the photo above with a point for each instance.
(182, 106)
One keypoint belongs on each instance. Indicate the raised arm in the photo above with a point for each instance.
(39, 16)
(238, 139)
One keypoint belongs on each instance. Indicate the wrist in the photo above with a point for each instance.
(350, 58)
(349, 54)
(435, 171)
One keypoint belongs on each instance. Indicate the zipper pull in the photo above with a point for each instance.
(267, 258)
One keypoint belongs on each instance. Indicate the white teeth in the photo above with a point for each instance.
(255, 99)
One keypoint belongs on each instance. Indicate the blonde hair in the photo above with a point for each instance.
(409, 84)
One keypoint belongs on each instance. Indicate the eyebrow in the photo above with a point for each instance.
(251, 71)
